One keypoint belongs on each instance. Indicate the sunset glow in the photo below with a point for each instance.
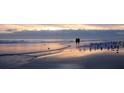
(39, 27)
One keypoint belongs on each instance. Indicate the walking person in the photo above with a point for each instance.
(77, 41)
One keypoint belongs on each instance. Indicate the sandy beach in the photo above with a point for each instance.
(61, 55)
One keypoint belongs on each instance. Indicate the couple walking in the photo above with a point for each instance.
(77, 40)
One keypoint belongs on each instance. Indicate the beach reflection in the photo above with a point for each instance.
(28, 47)
(70, 52)
(62, 55)
(75, 52)
(108, 48)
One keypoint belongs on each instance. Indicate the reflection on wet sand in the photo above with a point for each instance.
(113, 46)
(75, 52)
(93, 49)
(30, 47)
(72, 51)
(64, 55)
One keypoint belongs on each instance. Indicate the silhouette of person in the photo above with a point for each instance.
(78, 40)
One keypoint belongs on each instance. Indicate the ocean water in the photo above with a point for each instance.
(66, 35)
(5, 41)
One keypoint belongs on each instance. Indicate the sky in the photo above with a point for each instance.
(6, 28)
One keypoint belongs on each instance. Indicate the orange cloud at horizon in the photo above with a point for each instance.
(37, 27)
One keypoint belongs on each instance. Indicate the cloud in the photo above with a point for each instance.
(39, 27)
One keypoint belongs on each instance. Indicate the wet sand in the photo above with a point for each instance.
(66, 56)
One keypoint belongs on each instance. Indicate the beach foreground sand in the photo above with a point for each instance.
(63, 56)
